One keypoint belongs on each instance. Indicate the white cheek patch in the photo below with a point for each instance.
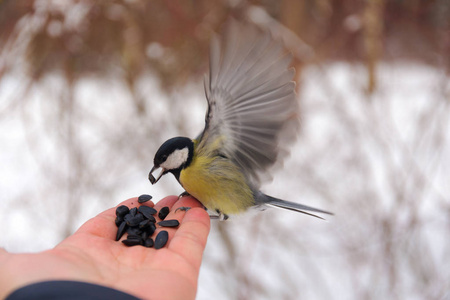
(176, 159)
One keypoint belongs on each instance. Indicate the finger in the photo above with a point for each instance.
(3, 253)
(190, 239)
(174, 203)
(168, 201)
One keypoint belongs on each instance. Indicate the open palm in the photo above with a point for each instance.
(92, 255)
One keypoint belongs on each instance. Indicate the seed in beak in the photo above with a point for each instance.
(151, 178)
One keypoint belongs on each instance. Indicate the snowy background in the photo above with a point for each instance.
(378, 158)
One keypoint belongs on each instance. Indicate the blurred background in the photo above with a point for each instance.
(90, 89)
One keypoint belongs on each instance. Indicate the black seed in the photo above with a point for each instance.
(169, 223)
(132, 242)
(133, 211)
(134, 231)
(144, 198)
(150, 229)
(121, 230)
(134, 221)
(151, 219)
(122, 210)
(144, 235)
(149, 243)
(127, 217)
(144, 224)
(118, 221)
(163, 212)
(161, 239)
(134, 237)
(147, 211)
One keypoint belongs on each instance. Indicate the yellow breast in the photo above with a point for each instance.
(218, 184)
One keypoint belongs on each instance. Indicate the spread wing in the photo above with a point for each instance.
(252, 108)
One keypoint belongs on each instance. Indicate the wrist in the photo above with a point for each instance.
(19, 270)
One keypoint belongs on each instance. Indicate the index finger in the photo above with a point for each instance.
(189, 241)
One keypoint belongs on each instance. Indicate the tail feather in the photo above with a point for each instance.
(271, 201)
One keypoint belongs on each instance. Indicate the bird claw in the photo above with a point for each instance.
(182, 208)
(221, 216)
(183, 194)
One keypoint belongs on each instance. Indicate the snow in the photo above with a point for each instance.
(380, 162)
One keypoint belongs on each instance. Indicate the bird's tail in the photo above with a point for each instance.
(271, 201)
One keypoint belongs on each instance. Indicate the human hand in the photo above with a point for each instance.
(92, 255)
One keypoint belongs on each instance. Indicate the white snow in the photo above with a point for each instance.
(379, 162)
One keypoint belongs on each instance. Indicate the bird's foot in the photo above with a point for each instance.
(221, 216)
(183, 194)
(183, 208)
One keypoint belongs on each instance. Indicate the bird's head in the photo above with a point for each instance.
(173, 155)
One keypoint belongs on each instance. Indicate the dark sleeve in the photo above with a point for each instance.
(67, 290)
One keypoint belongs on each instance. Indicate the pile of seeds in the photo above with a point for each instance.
(140, 224)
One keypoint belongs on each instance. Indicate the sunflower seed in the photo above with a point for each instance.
(144, 235)
(132, 242)
(150, 229)
(118, 221)
(134, 231)
(169, 223)
(133, 211)
(121, 230)
(151, 178)
(134, 221)
(122, 210)
(163, 212)
(134, 237)
(161, 239)
(144, 224)
(144, 198)
(151, 219)
(147, 211)
(149, 243)
(127, 217)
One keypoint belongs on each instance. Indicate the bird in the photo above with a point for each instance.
(252, 117)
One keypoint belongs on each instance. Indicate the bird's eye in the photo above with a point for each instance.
(164, 157)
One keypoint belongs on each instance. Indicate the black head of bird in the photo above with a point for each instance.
(172, 156)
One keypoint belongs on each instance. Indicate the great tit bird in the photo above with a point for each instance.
(252, 115)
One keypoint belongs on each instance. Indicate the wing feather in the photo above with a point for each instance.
(251, 100)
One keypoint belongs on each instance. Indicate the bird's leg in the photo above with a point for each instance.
(221, 216)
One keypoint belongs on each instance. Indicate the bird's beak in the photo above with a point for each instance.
(150, 176)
